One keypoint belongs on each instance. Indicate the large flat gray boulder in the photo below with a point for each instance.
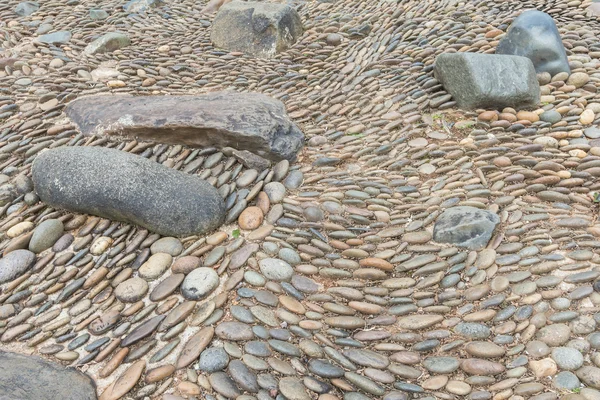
(244, 121)
(121, 186)
(256, 28)
(488, 80)
(534, 35)
(465, 226)
(29, 377)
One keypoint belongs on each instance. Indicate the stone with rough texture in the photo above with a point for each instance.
(108, 43)
(488, 80)
(465, 226)
(26, 8)
(246, 121)
(28, 377)
(258, 29)
(14, 264)
(92, 180)
(534, 35)
(60, 37)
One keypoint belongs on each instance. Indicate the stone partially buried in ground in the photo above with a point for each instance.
(123, 187)
(534, 35)
(28, 377)
(107, 43)
(465, 226)
(488, 80)
(60, 37)
(14, 264)
(26, 8)
(258, 29)
(246, 121)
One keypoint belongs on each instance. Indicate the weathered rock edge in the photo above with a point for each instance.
(120, 186)
(29, 377)
(244, 121)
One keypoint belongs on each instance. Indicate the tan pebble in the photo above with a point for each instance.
(125, 382)
(376, 263)
(216, 238)
(458, 387)
(262, 202)
(502, 162)
(595, 151)
(100, 245)
(67, 356)
(578, 153)
(164, 49)
(186, 264)
(116, 84)
(189, 389)
(159, 373)
(564, 174)
(528, 116)
(493, 33)
(19, 229)
(114, 362)
(435, 382)
(488, 116)
(251, 218)
(587, 117)
(507, 117)
(543, 367)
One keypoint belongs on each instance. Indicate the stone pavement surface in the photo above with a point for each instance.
(328, 279)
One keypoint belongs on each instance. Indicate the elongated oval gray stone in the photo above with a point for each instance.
(125, 187)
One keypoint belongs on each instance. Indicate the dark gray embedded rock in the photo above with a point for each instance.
(465, 226)
(245, 121)
(29, 377)
(26, 8)
(107, 43)
(488, 80)
(129, 188)
(534, 35)
(60, 37)
(258, 29)
(14, 264)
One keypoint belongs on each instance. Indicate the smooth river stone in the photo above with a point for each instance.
(194, 347)
(199, 283)
(416, 322)
(90, 180)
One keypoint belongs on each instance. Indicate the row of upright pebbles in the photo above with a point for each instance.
(331, 287)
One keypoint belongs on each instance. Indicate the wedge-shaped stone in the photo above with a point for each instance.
(488, 80)
(256, 28)
(129, 188)
(244, 121)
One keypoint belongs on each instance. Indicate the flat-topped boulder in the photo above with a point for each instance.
(121, 186)
(488, 80)
(244, 121)
(534, 35)
(29, 377)
(256, 28)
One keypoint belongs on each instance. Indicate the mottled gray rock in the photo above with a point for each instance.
(29, 377)
(14, 264)
(107, 43)
(255, 28)
(45, 235)
(246, 121)
(122, 186)
(199, 283)
(26, 8)
(60, 37)
(534, 35)
(488, 80)
(465, 226)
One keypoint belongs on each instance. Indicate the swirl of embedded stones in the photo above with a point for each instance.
(328, 280)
